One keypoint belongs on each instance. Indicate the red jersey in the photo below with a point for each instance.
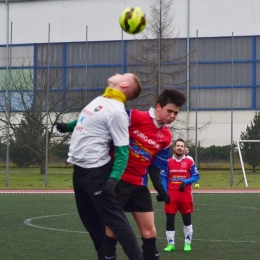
(180, 170)
(149, 144)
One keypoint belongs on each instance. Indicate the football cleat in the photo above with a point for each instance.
(169, 248)
(187, 247)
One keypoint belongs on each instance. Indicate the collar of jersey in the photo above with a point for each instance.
(152, 115)
(114, 94)
(178, 159)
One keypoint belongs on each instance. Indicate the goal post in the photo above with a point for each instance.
(240, 155)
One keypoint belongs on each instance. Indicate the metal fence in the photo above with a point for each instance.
(64, 77)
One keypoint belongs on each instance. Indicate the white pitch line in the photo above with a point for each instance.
(28, 223)
(226, 241)
(227, 206)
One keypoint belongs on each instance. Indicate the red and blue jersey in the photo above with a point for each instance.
(179, 170)
(149, 144)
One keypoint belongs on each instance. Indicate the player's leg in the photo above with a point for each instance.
(187, 228)
(87, 212)
(145, 222)
(170, 232)
(123, 194)
(109, 245)
(188, 231)
(113, 217)
(141, 207)
(170, 211)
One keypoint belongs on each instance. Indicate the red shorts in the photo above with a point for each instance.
(180, 201)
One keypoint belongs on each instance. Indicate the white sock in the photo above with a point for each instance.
(170, 237)
(188, 231)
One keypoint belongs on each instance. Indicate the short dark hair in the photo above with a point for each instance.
(173, 96)
(179, 139)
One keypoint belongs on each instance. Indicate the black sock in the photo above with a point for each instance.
(149, 249)
(109, 248)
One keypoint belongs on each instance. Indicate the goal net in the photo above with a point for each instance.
(240, 156)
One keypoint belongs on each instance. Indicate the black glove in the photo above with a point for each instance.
(159, 198)
(61, 127)
(109, 187)
(182, 186)
(166, 199)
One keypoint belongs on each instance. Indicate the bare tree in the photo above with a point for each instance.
(27, 96)
(157, 57)
(179, 127)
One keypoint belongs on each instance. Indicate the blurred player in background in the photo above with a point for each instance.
(177, 180)
(150, 141)
(95, 174)
(186, 152)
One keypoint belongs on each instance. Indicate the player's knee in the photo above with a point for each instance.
(149, 232)
(110, 233)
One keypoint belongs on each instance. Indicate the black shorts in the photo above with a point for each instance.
(133, 198)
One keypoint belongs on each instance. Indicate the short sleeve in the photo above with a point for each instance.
(119, 128)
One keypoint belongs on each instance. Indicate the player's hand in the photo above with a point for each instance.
(166, 199)
(182, 186)
(61, 127)
(159, 198)
(109, 187)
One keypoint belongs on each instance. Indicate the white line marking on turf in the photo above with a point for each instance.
(226, 241)
(226, 206)
(28, 223)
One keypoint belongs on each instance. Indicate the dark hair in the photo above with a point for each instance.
(179, 139)
(173, 96)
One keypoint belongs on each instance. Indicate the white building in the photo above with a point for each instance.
(214, 21)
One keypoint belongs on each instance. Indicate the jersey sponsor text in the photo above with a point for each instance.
(146, 139)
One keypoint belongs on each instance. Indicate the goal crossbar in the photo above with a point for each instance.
(240, 155)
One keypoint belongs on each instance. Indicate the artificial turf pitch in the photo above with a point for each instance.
(47, 226)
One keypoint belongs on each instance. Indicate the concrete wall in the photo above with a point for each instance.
(214, 127)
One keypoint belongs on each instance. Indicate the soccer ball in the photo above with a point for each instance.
(132, 20)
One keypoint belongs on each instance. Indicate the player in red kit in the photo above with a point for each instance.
(149, 150)
(181, 173)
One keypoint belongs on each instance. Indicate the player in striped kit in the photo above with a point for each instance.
(177, 180)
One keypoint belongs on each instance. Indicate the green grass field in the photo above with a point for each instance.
(61, 178)
(47, 227)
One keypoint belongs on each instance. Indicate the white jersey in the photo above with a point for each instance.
(102, 121)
